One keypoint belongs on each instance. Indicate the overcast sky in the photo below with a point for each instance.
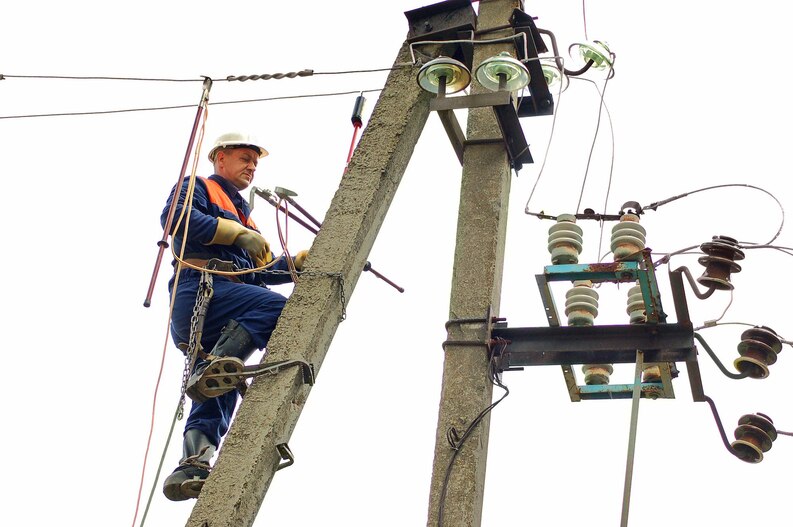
(700, 97)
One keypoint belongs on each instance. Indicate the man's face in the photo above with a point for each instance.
(237, 165)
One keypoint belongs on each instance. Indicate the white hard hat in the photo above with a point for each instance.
(236, 140)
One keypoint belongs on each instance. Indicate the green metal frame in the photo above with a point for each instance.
(642, 271)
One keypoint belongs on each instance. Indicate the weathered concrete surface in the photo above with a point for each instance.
(268, 415)
(476, 286)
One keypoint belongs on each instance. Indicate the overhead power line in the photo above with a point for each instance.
(228, 78)
(180, 106)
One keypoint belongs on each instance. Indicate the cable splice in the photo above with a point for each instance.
(268, 76)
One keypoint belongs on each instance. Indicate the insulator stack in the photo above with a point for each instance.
(638, 315)
(754, 436)
(721, 254)
(628, 238)
(581, 304)
(758, 349)
(581, 308)
(565, 240)
(636, 308)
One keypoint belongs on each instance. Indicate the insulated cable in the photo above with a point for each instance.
(786, 250)
(550, 140)
(510, 38)
(283, 237)
(456, 441)
(583, 12)
(597, 129)
(229, 78)
(613, 148)
(181, 106)
(655, 205)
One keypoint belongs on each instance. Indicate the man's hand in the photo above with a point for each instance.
(299, 259)
(253, 242)
(229, 232)
(263, 258)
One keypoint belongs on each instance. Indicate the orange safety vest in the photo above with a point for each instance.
(219, 197)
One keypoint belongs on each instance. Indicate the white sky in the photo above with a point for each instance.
(700, 97)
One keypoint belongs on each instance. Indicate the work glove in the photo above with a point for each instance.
(263, 258)
(229, 232)
(299, 259)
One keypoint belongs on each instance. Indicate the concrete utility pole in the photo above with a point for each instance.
(476, 286)
(268, 414)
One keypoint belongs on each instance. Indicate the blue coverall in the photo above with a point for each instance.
(250, 303)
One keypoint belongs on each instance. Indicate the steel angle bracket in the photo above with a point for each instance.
(440, 21)
(275, 367)
(613, 344)
(540, 100)
(503, 105)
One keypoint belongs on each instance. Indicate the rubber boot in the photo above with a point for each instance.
(187, 480)
(232, 349)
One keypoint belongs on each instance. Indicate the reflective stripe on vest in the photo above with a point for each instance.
(219, 197)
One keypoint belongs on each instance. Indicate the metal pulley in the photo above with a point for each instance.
(758, 348)
(721, 254)
(628, 238)
(754, 436)
(565, 240)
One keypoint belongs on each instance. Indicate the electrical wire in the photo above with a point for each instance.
(229, 78)
(100, 78)
(597, 129)
(716, 321)
(550, 140)
(786, 250)
(611, 167)
(655, 205)
(471, 41)
(583, 10)
(456, 442)
(181, 106)
(283, 236)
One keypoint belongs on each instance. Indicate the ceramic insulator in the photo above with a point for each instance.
(755, 435)
(565, 240)
(628, 238)
(581, 304)
(636, 308)
(758, 350)
(721, 254)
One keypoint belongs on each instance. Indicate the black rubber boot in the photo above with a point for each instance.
(187, 480)
(211, 379)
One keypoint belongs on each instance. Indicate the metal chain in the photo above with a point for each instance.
(203, 296)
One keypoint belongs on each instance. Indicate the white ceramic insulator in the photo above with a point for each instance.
(636, 308)
(581, 304)
(628, 238)
(565, 240)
